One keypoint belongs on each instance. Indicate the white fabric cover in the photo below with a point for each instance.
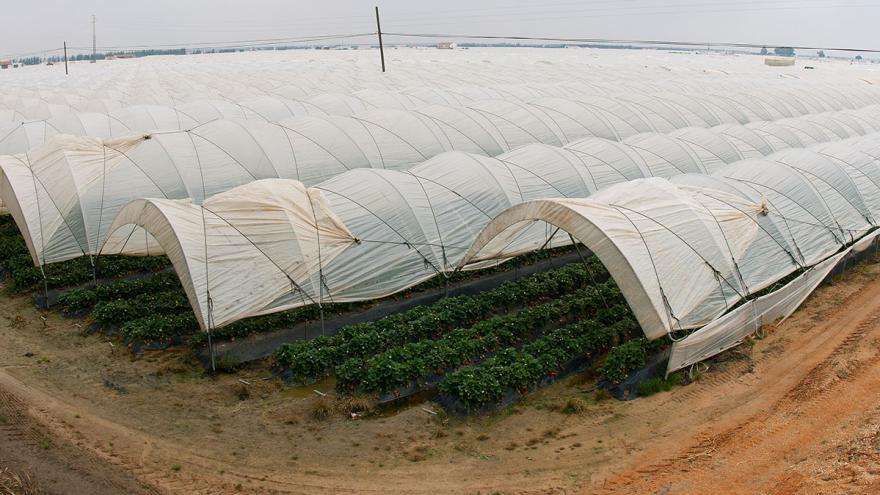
(65, 216)
(729, 330)
(684, 252)
(279, 231)
(722, 236)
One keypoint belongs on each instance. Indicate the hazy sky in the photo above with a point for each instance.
(36, 25)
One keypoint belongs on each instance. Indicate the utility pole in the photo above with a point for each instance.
(379, 31)
(65, 59)
(94, 42)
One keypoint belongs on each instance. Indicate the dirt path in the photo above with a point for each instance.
(29, 451)
(796, 412)
(804, 431)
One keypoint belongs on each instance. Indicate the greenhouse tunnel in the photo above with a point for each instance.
(791, 209)
(687, 250)
(65, 195)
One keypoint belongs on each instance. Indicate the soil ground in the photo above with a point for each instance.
(796, 412)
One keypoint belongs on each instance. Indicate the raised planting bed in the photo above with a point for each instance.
(16, 263)
(398, 367)
(514, 372)
(80, 299)
(259, 345)
(316, 358)
(133, 308)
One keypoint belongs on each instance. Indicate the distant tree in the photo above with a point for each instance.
(764, 51)
(858, 57)
(821, 54)
(30, 61)
(784, 51)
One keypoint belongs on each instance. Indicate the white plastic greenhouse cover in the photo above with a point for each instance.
(685, 252)
(487, 135)
(729, 330)
(349, 82)
(563, 111)
(408, 226)
(65, 194)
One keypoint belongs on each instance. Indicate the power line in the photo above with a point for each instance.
(254, 42)
(627, 41)
(329, 37)
(617, 10)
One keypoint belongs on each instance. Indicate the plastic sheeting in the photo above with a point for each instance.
(507, 122)
(687, 251)
(346, 82)
(729, 330)
(765, 215)
(64, 196)
(288, 232)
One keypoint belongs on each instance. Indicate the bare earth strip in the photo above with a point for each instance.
(796, 412)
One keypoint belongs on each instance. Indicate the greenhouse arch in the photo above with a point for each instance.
(562, 216)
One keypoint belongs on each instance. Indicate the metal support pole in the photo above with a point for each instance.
(65, 59)
(94, 42)
(381, 46)
(45, 285)
(211, 353)
(94, 270)
(210, 329)
(589, 272)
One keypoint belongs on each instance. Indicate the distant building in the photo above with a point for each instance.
(447, 45)
(5, 64)
(779, 61)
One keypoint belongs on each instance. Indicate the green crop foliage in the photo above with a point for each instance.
(79, 299)
(659, 384)
(159, 327)
(318, 357)
(17, 262)
(401, 366)
(628, 357)
(146, 304)
(521, 370)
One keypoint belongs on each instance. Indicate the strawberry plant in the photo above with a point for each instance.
(402, 365)
(628, 357)
(318, 357)
(159, 327)
(17, 262)
(78, 299)
(521, 370)
(123, 310)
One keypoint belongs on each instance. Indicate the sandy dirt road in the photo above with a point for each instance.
(796, 412)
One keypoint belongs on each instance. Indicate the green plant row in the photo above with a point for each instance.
(400, 366)
(628, 357)
(8, 228)
(119, 311)
(157, 327)
(318, 357)
(267, 323)
(160, 327)
(16, 261)
(144, 317)
(79, 299)
(26, 276)
(512, 369)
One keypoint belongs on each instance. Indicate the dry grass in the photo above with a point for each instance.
(322, 409)
(12, 483)
(417, 453)
(575, 405)
(355, 404)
